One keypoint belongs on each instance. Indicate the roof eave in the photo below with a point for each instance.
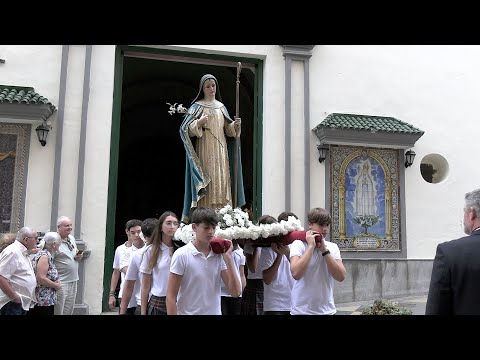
(28, 112)
(366, 138)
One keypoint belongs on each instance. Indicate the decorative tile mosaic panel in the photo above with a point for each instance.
(365, 199)
(13, 155)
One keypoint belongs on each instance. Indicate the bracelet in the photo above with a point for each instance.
(326, 253)
(112, 293)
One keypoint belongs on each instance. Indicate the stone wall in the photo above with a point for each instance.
(369, 279)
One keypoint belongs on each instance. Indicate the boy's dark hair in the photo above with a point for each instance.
(284, 216)
(148, 225)
(132, 223)
(319, 216)
(266, 219)
(205, 215)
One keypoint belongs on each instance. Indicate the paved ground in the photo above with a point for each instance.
(415, 303)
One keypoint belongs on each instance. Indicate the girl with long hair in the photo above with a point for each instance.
(155, 265)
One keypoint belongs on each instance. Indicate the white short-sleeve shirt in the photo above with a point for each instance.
(277, 294)
(117, 263)
(133, 273)
(313, 293)
(238, 259)
(257, 274)
(199, 292)
(160, 271)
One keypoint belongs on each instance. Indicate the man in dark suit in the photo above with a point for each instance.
(455, 282)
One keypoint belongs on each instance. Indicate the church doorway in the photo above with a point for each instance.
(149, 177)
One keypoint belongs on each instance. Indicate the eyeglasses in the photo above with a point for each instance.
(31, 237)
(170, 223)
(135, 232)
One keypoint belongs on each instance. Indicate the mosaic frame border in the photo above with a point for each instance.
(23, 132)
(341, 157)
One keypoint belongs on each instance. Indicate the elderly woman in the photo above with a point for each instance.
(47, 276)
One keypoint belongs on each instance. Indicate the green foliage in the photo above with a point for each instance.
(366, 221)
(385, 307)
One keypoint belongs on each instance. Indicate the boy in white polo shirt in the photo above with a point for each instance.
(196, 271)
(315, 266)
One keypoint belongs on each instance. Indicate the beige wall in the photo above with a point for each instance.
(39, 67)
(434, 88)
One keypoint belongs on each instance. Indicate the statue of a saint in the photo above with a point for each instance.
(365, 191)
(208, 134)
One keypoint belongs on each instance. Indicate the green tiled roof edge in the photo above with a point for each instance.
(22, 95)
(368, 123)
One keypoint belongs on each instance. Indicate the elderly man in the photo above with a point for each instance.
(455, 277)
(17, 278)
(66, 261)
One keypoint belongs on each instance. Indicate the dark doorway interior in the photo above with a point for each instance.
(151, 165)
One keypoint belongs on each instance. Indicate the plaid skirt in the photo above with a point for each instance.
(252, 298)
(157, 305)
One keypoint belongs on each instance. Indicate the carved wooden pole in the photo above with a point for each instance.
(237, 114)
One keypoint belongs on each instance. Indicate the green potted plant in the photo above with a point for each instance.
(385, 307)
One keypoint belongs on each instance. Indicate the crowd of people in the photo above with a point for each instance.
(39, 280)
(163, 278)
(159, 277)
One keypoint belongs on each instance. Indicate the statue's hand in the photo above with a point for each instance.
(238, 122)
(203, 121)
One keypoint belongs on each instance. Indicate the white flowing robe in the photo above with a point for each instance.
(211, 149)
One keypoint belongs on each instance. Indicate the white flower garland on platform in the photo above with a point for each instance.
(234, 224)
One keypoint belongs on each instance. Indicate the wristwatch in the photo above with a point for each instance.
(326, 253)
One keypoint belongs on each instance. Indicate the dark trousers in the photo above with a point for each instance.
(252, 298)
(41, 310)
(157, 305)
(132, 311)
(276, 313)
(231, 305)
(12, 308)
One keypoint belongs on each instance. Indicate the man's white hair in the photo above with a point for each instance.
(25, 232)
(62, 219)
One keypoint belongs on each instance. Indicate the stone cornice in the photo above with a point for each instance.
(39, 112)
(298, 51)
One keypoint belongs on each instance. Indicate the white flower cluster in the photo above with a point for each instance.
(234, 224)
(228, 217)
(177, 109)
(184, 233)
